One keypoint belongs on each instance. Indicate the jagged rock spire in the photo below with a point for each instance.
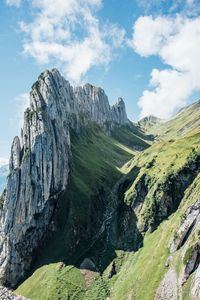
(119, 112)
(40, 164)
(15, 159)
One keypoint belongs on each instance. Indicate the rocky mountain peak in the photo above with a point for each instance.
(149, 122)
(90, 101)
(40, 164)
(120, 102)
(150, 119)
(119, 112)
(15, 155)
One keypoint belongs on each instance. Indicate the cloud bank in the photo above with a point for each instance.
(69, 35)
(177, 42)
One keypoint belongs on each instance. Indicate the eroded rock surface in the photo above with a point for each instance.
(192, 261)
(168, 287)
(187, 239)
(40, 164)
(6, 294)
(186, 227)
(195, 291)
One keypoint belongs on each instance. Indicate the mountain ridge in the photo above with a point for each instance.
(44, 154)
(92, 200)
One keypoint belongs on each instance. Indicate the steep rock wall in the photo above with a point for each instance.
(40, 164)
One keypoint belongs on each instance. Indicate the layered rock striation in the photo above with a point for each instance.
(40, 164)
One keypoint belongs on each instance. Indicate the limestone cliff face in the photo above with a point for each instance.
(92, 103)
(40, 164)
(119, 112)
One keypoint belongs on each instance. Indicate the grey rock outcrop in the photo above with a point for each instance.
(119, 112)
(187, 239)
(191, 217)
(195, 290)
(6, 294)
(168, 287)
(39, 168)
(191, 262)
(15, 155)
(40, 164)
(92, 103)
(191, 256)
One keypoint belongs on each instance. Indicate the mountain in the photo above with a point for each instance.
(185, 120)
(98, 207)
(149, 123)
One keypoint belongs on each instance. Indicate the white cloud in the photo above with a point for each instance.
(13, 2)
(69, 35)
(177, 42)
(151, 34)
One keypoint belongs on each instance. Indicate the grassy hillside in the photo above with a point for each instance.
(132, 136)
(130, 187)
(166, 170)
(185, 122)
(96, 166)
(166, 186)
(142, 272)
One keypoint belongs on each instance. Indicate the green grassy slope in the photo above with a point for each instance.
(169, 170)
(142, 272)
(159, 183)
(165, 171)
(132, 136)
(96, 165)
(184, 122)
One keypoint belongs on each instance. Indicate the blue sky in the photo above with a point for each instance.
(144, 51)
